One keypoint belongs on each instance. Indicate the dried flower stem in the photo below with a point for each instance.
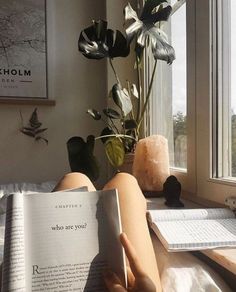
(148, 95)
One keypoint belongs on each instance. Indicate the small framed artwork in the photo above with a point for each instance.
(23, 50)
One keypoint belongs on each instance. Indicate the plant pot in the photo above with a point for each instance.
(128, 163)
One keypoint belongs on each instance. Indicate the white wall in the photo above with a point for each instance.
(76, 84)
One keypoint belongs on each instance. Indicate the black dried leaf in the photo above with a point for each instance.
(28, 132)
(33, 129)
(40, 131)
(34, 121)
(28, 128)
(41, 138)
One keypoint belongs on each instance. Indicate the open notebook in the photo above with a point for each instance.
(194, 229)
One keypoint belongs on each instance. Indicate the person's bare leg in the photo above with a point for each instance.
(74, 180)
(134, 224)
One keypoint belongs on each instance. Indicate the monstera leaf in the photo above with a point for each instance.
(81, 157)
(122, 99)
(98, 42)
(145, 29)
(112, 114)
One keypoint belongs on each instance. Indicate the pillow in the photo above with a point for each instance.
(24, 188)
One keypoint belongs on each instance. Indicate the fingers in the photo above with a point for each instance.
(130, 276)
(130, 252)
(113, 282)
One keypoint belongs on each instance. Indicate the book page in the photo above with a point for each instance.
(196, 234)
(189, 214)
(13, 272)
(70, 240)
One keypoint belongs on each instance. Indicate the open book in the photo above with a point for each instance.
(61, 241)
(194, 229)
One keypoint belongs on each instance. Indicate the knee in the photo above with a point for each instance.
(124, 176)
(128, 188)
(75, 176)
(74, 180)
(121, 179)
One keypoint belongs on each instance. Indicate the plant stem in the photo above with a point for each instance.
(139, 89)
(114, 71)
(107, 124)
(113, 124)
(130, 94)
(148, 96)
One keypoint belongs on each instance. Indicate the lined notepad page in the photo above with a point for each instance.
(194, 229)
(198, 234)
(189, 214)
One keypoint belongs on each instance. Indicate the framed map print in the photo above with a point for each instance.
(23, 49)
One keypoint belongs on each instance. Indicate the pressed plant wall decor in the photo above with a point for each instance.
(34, 128)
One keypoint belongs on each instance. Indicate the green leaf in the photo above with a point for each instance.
(130, 124)
(109, 112)
(122, 99)
(115, 151)
(81, 157)
(94, 114)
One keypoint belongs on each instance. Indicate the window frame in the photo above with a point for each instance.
(201, 178)
(157, 108)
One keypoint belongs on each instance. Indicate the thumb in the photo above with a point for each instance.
(113, 283)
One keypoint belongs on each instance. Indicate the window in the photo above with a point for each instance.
(173, 85)
(213, 102)
(168, 104)
(179, 89)
(233, 87)
(210, 91)
(224, 98)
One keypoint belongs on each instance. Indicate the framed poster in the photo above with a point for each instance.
(23, 53)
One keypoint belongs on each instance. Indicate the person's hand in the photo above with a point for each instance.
(138, 281)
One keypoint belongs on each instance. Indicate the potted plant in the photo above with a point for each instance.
(122, 125)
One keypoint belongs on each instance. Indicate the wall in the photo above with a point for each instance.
(76, 84)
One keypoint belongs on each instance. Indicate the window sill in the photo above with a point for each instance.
(224, 181)
(224, 257)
